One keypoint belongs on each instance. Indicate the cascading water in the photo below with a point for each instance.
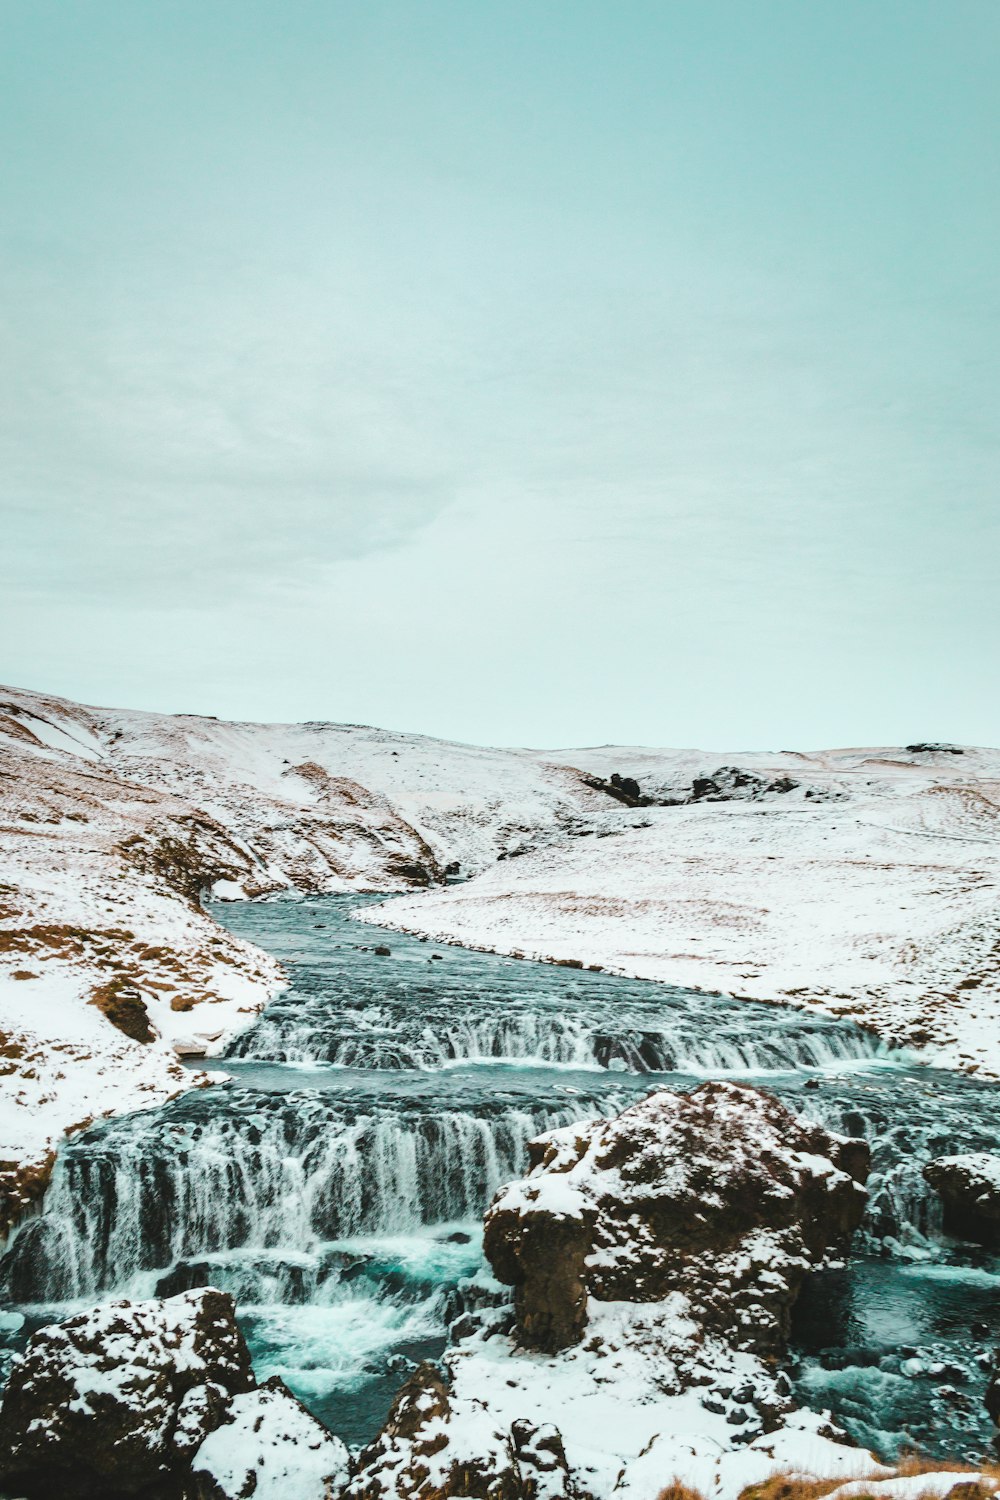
(240, 1170)
(336, 1184)
(392, 1018)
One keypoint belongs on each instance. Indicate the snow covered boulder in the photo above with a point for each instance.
(430, 1450)
(677, 1236)
(721, 1194)
(271, 1448)
(115, 1401)
(969, 1189)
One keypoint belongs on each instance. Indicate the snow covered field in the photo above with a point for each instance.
(868, 889)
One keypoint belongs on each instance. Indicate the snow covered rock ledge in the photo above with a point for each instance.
(271, 1448)
(655, 1258)
(969, 1189)
(131, 1399)
(720, 1194)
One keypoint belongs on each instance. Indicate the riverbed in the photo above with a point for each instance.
(335, 1183)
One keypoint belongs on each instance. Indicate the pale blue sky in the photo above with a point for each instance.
(527, 372)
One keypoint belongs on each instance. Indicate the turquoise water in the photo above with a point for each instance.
(336, 1184)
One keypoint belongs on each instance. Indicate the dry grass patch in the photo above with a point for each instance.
(59, 940)
(790, 1487)
(798, 1487)
(122, 1004)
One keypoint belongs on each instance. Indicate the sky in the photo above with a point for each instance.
(543, 373)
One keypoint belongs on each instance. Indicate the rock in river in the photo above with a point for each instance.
(722, 1194)
(969, 1189)
(654, 1259)
(120, 1400)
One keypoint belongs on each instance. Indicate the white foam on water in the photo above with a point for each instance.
(958, 1275)
(319, 1349)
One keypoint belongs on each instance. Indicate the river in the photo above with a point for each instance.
(335, 1184)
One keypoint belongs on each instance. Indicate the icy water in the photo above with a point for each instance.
(336, 1184)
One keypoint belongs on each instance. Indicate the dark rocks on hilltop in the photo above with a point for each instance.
(624, 789)
(933, 747)
(969, 1189)
(732, 783)
(722, 1195)
(725, 784)
(737, 784)
(117, 1402)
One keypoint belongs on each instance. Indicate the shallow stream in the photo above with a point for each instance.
(336, 1184)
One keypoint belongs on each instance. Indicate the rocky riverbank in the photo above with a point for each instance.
(654, 1258)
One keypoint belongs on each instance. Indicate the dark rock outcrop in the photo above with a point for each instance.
(733, 783)
(969, 1189)
(421, 1403)
(21, 1184)
(624, 789)
(122, 1004)
(722, 1195)
(93, 1408)
(682, 1230)
(725, 784)
(117, 1404)
(413, 871)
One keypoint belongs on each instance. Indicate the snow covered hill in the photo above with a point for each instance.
(864, 882)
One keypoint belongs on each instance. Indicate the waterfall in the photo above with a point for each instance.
(376, 1038)
(518, 1037)
(285, 1173)
(690, 1050)
(906, 1123)
(344, 1216)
